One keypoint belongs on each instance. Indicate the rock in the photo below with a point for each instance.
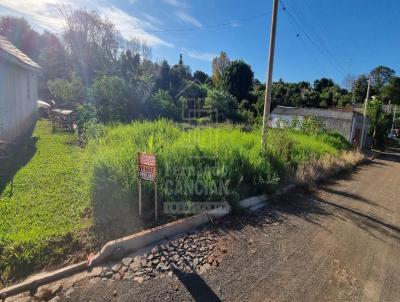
(43, 293)
(127, 261)
(165, 268)
(115, 293)
(155, 262)
(150, 257)
(94, 280)
(55, 299)
(24, 297)
(135, 265)
(195, 261)
(138, 279)
(116, 267)
(69, 292)
(107, 274)
(170, 274)
(143, 262)
(206, 267)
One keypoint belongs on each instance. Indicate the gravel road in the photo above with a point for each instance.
(339, 242)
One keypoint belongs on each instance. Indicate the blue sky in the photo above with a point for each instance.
(315, 38)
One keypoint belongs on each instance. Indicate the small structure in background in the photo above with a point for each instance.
(18, 92)
(347, 122)
(63, 120)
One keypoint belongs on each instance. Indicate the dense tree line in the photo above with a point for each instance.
(91, 65)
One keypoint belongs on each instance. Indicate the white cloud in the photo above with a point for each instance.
(132, 27)
(203, 56)
(188, 18)
(175, 3)
(152, 19)
(45, 15)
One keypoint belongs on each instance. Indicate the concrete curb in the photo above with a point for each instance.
(125, 245)
(41, 279)
(145, 238)
(257, 202)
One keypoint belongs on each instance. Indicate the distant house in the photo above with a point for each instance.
(18, 91)
(346, 122)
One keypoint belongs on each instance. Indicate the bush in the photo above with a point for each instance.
(110, 95)
(86, 113)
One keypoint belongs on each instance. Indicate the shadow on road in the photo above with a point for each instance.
(197, 287)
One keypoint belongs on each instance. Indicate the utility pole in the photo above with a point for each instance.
(268, 83)
(365, 115)
(394, 116)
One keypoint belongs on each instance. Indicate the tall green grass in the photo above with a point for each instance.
(224, 157)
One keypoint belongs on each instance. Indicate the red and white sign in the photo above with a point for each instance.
(147, 166)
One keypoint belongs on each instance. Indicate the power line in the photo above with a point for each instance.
(325, 53)
(318, 37)
(210, 26)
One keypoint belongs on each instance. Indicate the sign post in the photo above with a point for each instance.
(147, 170)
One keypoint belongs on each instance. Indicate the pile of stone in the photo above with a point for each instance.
(194, 252)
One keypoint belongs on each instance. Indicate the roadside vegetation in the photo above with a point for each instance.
(68, 197)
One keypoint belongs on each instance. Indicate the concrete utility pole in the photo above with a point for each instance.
(365, 115)
(394, 116)
(268, 83)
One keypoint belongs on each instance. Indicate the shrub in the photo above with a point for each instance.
(110, 95)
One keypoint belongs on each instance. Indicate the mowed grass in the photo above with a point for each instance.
(42, 205)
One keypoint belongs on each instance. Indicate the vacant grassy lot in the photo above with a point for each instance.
(42, 204)
(56, 193)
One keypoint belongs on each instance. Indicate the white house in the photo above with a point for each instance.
(18, 91)
(347, 122)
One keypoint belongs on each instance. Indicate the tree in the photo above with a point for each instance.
(380, 76)
(391, 92)
(237, 79)
(92, 42)
(225, 104)
(359, 88)
(72, 92)
(163, 80)
(201, 77)
(110, 97)
(54, 62)
(19, 32)
(378, 127)
(323, 83)
(219, 64)
(162, 105)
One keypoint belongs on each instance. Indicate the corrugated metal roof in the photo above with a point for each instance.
(13, 54)
(317, 112)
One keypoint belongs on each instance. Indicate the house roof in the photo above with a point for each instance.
(317, 112)
(9, 52)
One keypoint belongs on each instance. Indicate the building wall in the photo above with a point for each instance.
(18, 97)
(341, 126)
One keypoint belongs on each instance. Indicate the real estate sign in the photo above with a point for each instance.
(147, 166)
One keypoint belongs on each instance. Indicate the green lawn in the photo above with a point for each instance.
(42, 207)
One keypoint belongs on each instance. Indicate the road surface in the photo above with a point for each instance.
(340, 242)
